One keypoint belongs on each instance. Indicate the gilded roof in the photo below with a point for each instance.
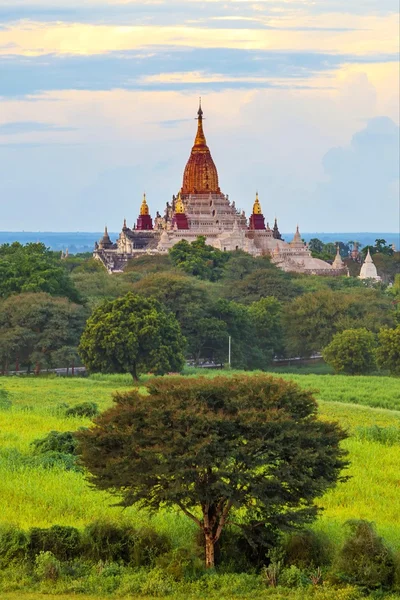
(200, 176)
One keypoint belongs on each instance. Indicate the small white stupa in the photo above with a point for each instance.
(368, 269)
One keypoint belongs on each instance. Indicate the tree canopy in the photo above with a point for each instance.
(132, 335)
(34, 327)
(351, 351)
(33, 268)
(199, 259)
(216, 446)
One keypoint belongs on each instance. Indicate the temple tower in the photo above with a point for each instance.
(257, 221)
(179, 220)
(144, 221)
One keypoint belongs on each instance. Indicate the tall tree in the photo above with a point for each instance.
(132, 335)
(351, 351)
(199, 259)
(216, 446)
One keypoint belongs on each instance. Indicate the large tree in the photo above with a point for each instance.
(132, 335)
(33, 268)
(34, 327)
(216, 447)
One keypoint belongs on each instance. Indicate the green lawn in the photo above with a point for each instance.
(36, 496)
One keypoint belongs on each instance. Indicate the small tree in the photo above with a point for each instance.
(213, 445)
(388, 351)
(132, 335)
(351, 351)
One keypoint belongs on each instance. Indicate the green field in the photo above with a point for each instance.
(34, 496)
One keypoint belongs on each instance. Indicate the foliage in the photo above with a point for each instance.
(306, 548)
(364, 559)
(85, 409)
(191, 427)
(33, 268)
(131, 335)
(13, 545)
(260, 283)
(62, 541)
(109, 542)
(381, 246)
(388, 350)
(47, 566)
(351, 351)
(311, 321)
(34, 327)
(56, 441)
(199, 259)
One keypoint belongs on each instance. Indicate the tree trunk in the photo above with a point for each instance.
(134, 373)
(210, 551)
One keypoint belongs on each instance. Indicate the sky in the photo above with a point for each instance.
(98, 101)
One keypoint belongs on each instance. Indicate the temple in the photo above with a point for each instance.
(200, 208)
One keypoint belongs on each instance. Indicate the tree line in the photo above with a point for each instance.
(45, 304)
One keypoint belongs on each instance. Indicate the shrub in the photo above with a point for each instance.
(108, 542)
(147, 546)
(47, 566)
(243, 549)
(13, 545)
(85, 409)
(63, 542)
(364, 559)
(181, 564)
(56, 441)
(351, 351)
(305, 549)
(293, 577)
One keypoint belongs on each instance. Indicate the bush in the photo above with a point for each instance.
(63, 542)
(352, 351)
(13, 545)
(62, 442)
(181, 564)
(147, 546)
(122, 543)
(293, 577)
(85, 409)
(108, 542)
(364, 559)
(306, 549)
(47, 566)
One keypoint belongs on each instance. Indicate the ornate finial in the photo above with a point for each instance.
(179, 207)
(257, 206)
(200, 111)
(144, 209)
(105, 231)
(124, 226)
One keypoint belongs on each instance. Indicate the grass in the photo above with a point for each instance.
(33, 496)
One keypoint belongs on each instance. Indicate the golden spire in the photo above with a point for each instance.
(257, 206)
(144, 209)
(179, 208)
(200, 137)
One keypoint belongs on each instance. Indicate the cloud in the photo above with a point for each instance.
(17, 127)
(363, 179)
(169, 68)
